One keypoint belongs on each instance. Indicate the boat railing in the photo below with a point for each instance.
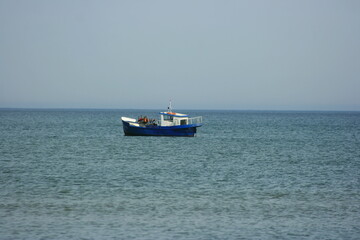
(195, 120)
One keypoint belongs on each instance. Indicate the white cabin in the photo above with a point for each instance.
(168, 119)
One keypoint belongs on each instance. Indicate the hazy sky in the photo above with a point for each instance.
(203, 54)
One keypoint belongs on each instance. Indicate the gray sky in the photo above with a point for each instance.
(203, 54)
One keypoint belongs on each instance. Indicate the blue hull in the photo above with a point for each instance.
(151, 130)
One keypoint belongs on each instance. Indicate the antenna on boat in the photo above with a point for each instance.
(169, 107)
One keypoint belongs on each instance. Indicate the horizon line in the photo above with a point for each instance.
(187, 109)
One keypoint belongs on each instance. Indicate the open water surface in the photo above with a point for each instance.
(72, 174)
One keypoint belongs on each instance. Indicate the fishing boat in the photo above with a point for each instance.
(169, 124)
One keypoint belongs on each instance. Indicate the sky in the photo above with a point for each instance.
(201, 54)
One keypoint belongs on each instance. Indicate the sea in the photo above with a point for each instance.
(72, 174)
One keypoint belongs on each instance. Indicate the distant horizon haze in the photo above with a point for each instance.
(231, 55)
(279, 108)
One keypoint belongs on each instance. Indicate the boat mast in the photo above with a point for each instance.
(169, 107)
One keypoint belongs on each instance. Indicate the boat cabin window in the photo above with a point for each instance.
(168, 118)
(183, 122)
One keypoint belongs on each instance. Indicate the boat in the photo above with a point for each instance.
(169, 124)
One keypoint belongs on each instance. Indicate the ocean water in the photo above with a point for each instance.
(72, 174)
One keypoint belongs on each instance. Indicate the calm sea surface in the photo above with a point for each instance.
(72, 174)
